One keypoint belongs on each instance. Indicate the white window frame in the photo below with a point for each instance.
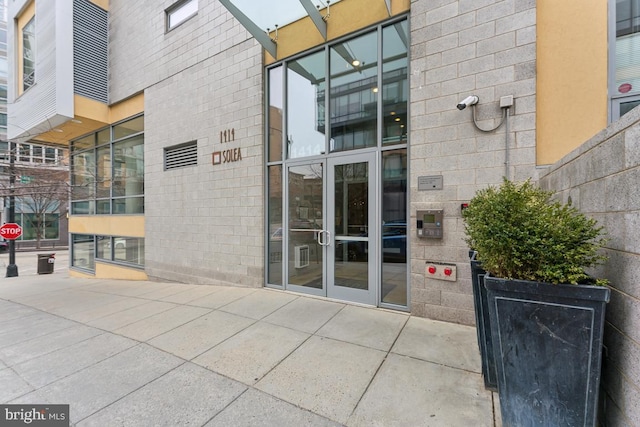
(616, 98)
(180, 12)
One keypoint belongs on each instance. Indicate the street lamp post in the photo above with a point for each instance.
(12, 268)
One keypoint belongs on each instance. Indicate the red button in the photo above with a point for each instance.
(448, 271)
(432, 269)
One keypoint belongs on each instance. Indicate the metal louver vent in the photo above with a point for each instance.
(181, 156)
(90, 50)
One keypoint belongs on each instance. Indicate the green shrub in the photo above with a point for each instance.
(520, 233)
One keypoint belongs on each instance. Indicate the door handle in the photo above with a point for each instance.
(322, 243)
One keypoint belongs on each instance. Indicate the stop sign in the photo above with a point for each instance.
(11, 231)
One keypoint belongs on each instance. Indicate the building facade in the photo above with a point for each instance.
(314, 147)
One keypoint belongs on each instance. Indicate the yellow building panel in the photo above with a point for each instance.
(107, 225)
(572, 70)
(127, 108)
(104, 4)
(81, 275)
(112, 271)
(345, 17)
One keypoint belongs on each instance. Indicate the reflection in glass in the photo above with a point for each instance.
(275, 114)
(305, 261)
(352, 220)
(625, 107)
(354, 93)
(394, 83)
(394, 227)
(306, 87)
(276, 233)
(129, 127)
(82, 251)
(129, 250)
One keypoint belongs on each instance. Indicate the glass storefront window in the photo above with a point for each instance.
(129, 127)
(394, 227)
(83, 176)
(128, 167)
(103, 172)
(275, 225)
(129, 250)
(82, 250)
(394, 83)
(306, 88)
(276, 120)
(354, 93)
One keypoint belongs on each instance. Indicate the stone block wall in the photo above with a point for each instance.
(459, 48)
(203, 223)
(601, 179)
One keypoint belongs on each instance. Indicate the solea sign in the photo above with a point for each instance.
(11, 231)
(228, 155)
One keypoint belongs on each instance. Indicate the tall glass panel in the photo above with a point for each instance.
(128, 128)
(276, 119)
(128, 174)
(29, 54)
(306, 87)
(305, 208)
(351, 187)
(103, 179)
(394, 227)
(354, 93)
(83, 176)
(395, 39)
(276, 232)
(83, 251)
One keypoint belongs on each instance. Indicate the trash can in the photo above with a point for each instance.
(45, 263)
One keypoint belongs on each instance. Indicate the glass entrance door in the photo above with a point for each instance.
(351, 244)
(305, 230)
(331, 248)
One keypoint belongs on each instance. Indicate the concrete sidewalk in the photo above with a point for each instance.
(150, 353)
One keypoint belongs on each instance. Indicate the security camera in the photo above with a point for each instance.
(469, 100)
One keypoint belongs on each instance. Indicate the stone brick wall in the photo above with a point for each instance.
(459, 48)
(203, 224)
(601, 179)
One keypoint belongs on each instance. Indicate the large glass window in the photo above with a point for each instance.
(625, 89)
(108, 178)
(306, 87)
(275, 114)
(83, 251)
(394, 84)
(276, 232)
(29, 54)
(354, 91)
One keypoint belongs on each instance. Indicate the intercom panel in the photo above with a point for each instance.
(429, 223)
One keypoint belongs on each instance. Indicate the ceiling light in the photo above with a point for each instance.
(58, 130)
(375, 90)
(397, 119)
(355, 63)
(76, 121)
(393, 113)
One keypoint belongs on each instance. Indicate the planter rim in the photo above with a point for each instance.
(587, 292)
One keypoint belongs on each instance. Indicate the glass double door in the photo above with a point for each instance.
(331, 228)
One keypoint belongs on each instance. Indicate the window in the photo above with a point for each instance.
(180, 12)
(181, 156)
(107, 170)
(625, 81)
(82, 251)
(29, 54)
(123, 250)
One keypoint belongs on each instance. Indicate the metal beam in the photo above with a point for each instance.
(315, 16)
(388, 3)
(258, 33)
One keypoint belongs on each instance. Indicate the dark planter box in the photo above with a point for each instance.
(481, 305)
(547, 340)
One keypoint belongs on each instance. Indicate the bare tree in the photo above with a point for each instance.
(41, 189)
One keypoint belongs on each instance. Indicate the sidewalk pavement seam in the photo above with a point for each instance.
(379, 367)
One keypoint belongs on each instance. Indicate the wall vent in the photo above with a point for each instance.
(181, 156)
(90, 50)
(301, 256)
